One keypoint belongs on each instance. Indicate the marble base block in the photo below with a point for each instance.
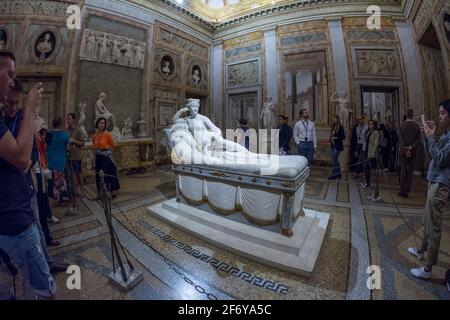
(297, 254)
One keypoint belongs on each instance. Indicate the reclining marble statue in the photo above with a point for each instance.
(248, 203)
(195, 140)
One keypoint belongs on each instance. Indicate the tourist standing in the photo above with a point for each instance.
(285, 135)
(103, 144)
(305, 136)
(384, 151)
(438, 192)
(76, 142)
(370, 151)
(361, 132)
(409, 136)
(337, 146)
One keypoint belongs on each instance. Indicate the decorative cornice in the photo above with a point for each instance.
(271, 10)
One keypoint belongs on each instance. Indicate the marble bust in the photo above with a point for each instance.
(196, 76)
(45, 46)
(166, 68)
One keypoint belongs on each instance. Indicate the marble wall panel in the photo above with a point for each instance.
(122, 86)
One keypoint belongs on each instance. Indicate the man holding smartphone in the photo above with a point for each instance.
(438, 191)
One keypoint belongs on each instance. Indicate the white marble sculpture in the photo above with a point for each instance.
(196, 76)
(195, 139)
(101, 111)
(166, 68)
(268, 114)
(82, 119)
(126, 130)
(39, 122)
(342, 110)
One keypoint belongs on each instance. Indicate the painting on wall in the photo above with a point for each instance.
(45, 45)
(3, 39)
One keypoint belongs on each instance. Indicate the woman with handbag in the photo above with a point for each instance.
(103, 145)
(337, 146)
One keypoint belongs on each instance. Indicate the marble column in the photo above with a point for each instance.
(217, 84)
(339, 55)
(270, 45)
(412, 69)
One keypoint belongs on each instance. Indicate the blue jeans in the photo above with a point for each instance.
(26, 253)
(35, 207)
(336, 171)
(306, 149)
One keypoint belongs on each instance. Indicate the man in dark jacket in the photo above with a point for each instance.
(409, 137)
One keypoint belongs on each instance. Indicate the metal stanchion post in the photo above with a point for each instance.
(125, 276)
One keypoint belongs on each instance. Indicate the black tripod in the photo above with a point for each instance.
(125, 276)
(12, 270)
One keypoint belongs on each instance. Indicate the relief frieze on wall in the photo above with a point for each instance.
(377, 63)
(179, 42)
(242, 74)
(113, 49)
(40, 7)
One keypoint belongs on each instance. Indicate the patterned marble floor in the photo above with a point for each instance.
(177, 265)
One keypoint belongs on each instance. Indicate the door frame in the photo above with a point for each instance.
(59, 79)
(246, 90)
(378, 88)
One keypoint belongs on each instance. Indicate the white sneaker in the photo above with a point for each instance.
(53, 219)
(415, 253)
(364, 185)
(420, 273)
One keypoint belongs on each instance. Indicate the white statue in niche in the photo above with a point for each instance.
(268, 114)
(39, 122)
(196, 75)
(101, 111)
(45, 46)
(82, 119)
(166, 67)
(342, 110)
(126, 130)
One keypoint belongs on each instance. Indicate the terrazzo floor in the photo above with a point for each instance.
(176, 265)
